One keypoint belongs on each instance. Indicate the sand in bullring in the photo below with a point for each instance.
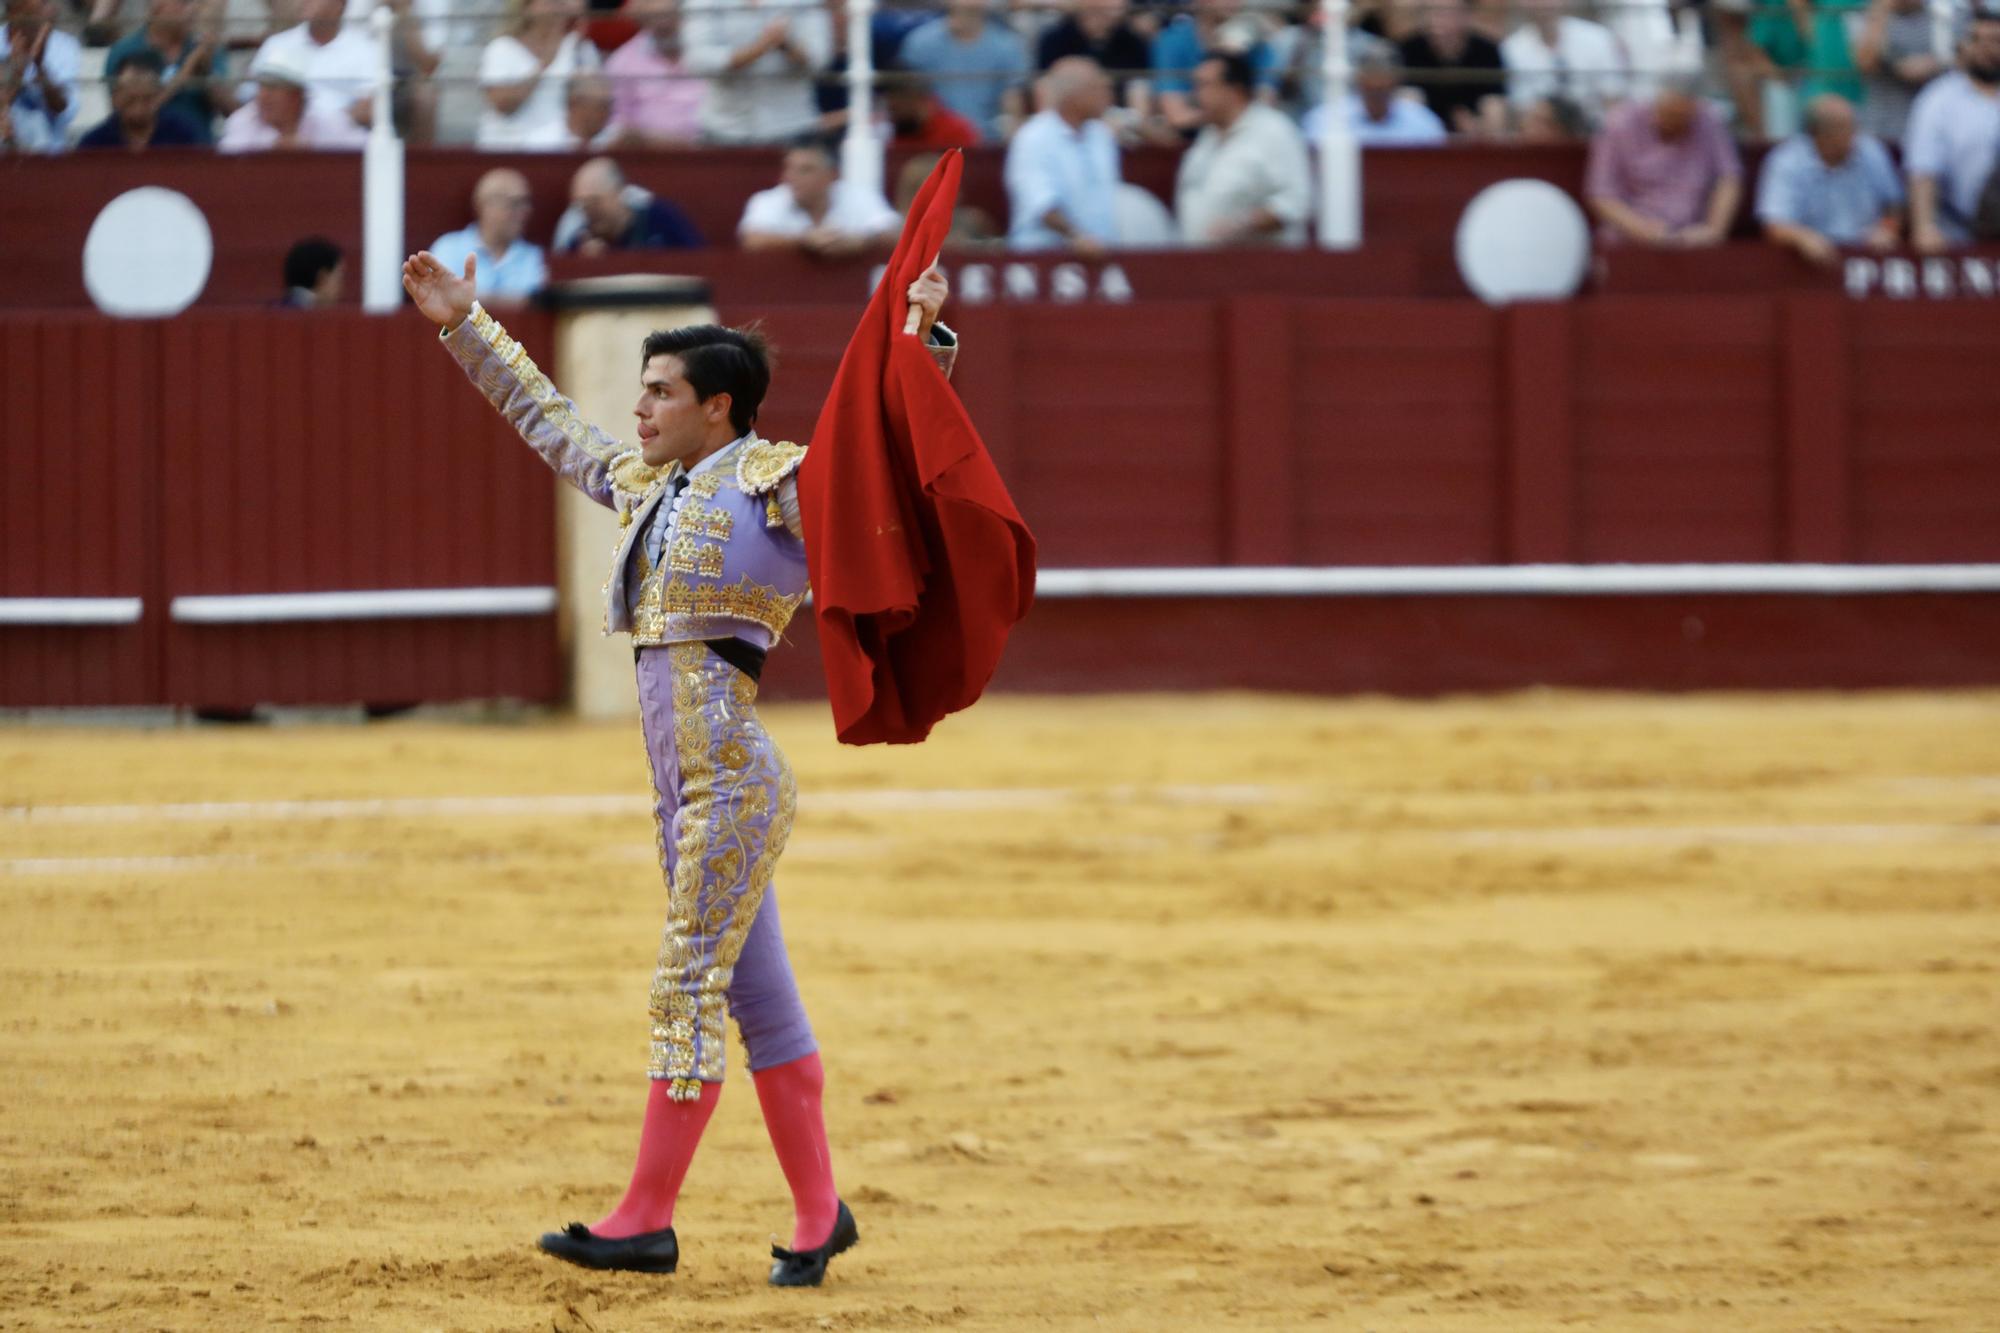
(1172, 1013)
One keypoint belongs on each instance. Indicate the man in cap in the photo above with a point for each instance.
(278, 117)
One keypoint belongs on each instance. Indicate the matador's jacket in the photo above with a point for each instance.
(709, 559)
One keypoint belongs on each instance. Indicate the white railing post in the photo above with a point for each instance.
(1339, 153)
(382, 185)
(861, 150)
(1941, 31)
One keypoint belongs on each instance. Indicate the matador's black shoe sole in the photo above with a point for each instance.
(647, 1252)
(807, 1268)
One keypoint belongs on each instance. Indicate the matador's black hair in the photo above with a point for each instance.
(719, 360)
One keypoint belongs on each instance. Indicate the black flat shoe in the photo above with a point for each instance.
(647, 1252)
(806, 1268)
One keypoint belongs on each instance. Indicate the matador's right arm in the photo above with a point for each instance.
(608, 472)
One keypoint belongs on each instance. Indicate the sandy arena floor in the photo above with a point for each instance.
(1599, 1012)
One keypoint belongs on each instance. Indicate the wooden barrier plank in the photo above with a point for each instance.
(1257, 465)
(1398, 438)
(1538, 362)
(1676, 429)
(1815, 416)
(1925, 460)
(73, 505)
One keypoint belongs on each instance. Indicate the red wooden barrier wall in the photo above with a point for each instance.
(264, 452)
(1258, 430)
(79, 460)
(276, 452)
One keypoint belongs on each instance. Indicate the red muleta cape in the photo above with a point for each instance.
(920, 563)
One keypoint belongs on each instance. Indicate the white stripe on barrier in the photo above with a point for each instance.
(69, 610)
(1556, 580)
(1212, 581)
(387, 604)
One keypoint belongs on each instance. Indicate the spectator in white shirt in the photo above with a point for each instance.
(1062, 166)
(586, 124)
(1554, 54)
(813, 211)
(336, 57)
(40, 67)
(1246, 179)
(524, 73)
(279, 116)
(763, 58)
(1952, 147)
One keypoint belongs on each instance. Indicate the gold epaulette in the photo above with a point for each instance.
(630, 473)
(765, 463)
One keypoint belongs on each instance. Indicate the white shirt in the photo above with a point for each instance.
(34, 128)
(1653, 45)
(1586, 65)
(770, 99)
(1258, 162)
(1954, 138)
(338, 74)
(507, 61)
(246, 132)
(850, 211)
(1051, 165)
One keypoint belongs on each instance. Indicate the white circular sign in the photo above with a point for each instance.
(1523, 240)
(148, 253)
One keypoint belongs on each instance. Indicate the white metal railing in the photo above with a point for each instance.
(1515, 580)
(1542, 580)
(75, 611)
(385, 604)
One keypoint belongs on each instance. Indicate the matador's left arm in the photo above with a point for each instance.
(610, 473)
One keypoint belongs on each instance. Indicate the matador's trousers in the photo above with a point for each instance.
(725, 802)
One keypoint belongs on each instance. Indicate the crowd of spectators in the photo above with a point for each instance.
(1664, 92)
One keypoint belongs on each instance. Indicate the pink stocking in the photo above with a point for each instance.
(666, 1147)
(790, 1096)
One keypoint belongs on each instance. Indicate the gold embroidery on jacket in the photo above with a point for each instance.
(681, 555)
(742, 600)
(705, 522)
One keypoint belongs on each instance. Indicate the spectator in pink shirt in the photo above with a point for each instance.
(1664, 172)
(655, 101)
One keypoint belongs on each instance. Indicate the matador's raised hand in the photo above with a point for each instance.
(927, 297)
(444, 299)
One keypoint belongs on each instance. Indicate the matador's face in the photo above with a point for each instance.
(673, 423)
